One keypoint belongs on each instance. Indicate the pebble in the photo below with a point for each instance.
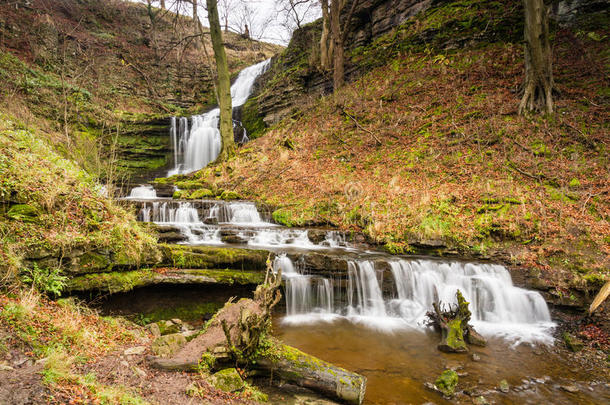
(476, 357)
(570, 388)
(4, 367)
(139, 371)
(504, 387)
(135, 350)
(124, 364)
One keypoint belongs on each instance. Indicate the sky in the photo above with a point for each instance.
(265, 22)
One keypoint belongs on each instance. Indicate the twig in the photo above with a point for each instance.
(360, 126)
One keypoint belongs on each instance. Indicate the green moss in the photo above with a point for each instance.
(572, 343)
(227, 380)
(455, 335)
(94, 262)
(251, 120)
(201, 193)
(112, 282)
(231, 277)
(288, 217)
(188, 184)
(23, 212)
(229, 195)
(447, 382)
(207, 257)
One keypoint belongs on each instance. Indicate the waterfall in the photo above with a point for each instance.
(184, 217)
(498, 307)
(197, 147)
(143, 192)
(305, 294)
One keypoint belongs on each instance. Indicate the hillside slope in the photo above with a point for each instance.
(97, 74)
(426, 153)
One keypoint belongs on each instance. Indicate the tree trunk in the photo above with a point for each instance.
(538, 85)
(325, 47)
(293, 366)
(224, 84)
(335, 29)
(163, 4)
(195, 15)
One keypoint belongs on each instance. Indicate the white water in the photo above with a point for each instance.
(183, 216)
(196, 147)
(144, 192)
(498, 307)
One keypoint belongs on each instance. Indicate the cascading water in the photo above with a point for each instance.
(143, 192)
(498, 307)
(183, 216)
(196, 148)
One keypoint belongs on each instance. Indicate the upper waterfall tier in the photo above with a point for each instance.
(197, 145)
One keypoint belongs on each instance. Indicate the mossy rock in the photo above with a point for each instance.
(447, 382)
(112, 282)
(23, 212)
(188, 184)
(91, 262)
(573, 343)
(227, 380)
(167, 345)
(455, 338)
(207, 257)
(168, 327)
(229, 195)
(201, 193)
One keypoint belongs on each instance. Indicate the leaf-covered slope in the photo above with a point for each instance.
(427, 148)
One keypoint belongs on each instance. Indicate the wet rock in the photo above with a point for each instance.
(171, 237)
(504, 387)
(447, 382)
(475, 357)
(167, 345)
(316, 236)
(480, 400)
(232, 236)
(474, 338)
(570, 388)
(572, 342)
(227, 380)
(135, 350)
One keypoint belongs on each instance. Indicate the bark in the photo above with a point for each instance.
(325, 46)
(538, 85)
(195, 15)
(335, 30)
(163, 4)
(223, 84)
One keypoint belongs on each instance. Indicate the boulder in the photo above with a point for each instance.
(227, 380)
(165, 346)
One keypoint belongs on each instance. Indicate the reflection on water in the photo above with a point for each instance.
(398, 364)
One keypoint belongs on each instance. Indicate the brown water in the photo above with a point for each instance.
(398, 364)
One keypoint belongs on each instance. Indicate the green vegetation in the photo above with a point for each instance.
(447, 382)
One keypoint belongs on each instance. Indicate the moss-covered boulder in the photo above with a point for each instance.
(572, 342)
(229, 195)
(227, 380)
(447, 382)
(23, 212)
(168, 327)
(201, 193)
(167, 345)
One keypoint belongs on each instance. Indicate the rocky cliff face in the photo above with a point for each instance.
(294, 76)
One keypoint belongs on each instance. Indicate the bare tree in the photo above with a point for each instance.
(538, 85)
(293, 13)
(225, 10)
(332, 43)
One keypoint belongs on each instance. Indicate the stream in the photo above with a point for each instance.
(354, 306)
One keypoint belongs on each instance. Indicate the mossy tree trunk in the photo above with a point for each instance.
(325, 44)
(223, 84)
(453, 324)
(538, 85)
